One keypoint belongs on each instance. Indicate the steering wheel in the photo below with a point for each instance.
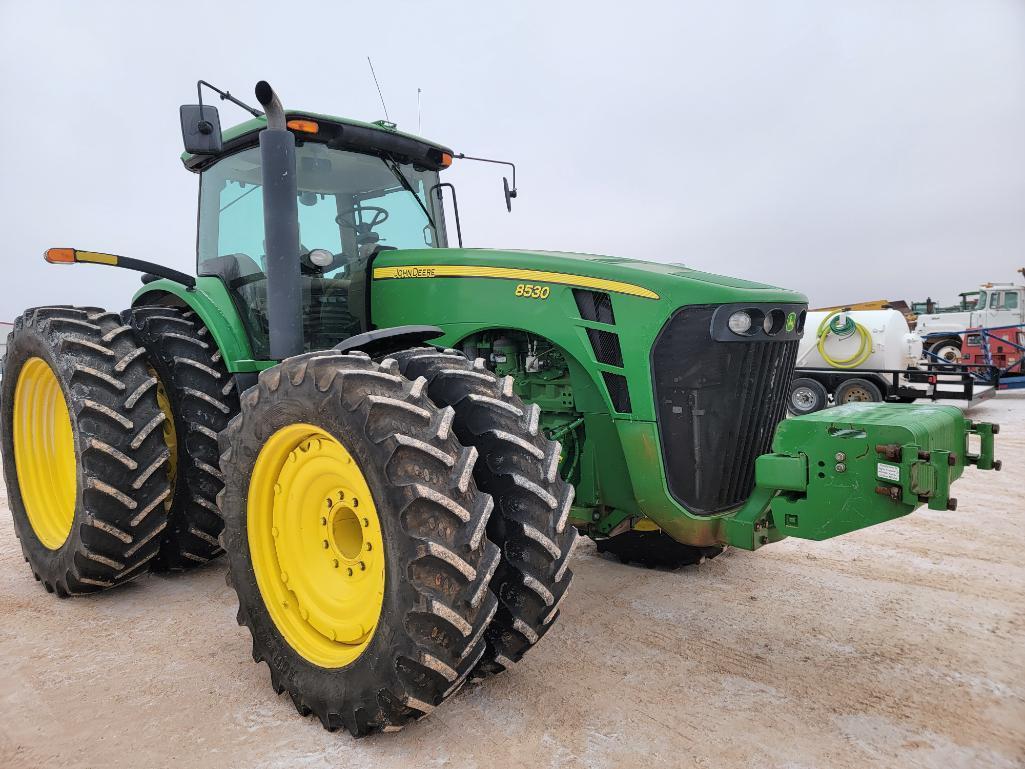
(355, 221)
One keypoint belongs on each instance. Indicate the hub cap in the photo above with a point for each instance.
(316, 545)
(857, 395)
(802, 398)
(44, 453)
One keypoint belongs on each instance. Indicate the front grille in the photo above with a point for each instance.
(717, 404)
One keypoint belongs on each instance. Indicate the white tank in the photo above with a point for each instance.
(893, 344)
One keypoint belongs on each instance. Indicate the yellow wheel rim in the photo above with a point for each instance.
(316, 545)
(44, 453)
(170, 436)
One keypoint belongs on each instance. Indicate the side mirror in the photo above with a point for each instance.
(201, 129)
(509, 194)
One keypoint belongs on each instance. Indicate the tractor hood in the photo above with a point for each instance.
(674, 283)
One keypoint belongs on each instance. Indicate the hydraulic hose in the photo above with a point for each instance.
(830, 325)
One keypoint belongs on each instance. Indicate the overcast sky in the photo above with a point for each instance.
(852, 149)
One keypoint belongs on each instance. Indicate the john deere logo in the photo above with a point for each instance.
(791, 321)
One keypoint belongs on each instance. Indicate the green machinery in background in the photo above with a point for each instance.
(395, 441)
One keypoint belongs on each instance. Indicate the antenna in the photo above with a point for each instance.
(418, 113)
(378, 89)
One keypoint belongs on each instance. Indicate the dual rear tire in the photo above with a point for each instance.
(392, 528)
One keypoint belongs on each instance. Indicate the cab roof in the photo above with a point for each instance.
(379, 138)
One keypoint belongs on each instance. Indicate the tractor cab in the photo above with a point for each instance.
(362, 189)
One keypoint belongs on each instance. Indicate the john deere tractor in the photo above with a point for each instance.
(395, 442)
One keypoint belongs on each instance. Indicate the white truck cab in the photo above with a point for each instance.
(1000, 304)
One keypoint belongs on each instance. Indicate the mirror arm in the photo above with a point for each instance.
(225, 96)
(512, 192)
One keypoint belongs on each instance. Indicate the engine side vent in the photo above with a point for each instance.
(618, 391)
(606, 347)
(594, 306)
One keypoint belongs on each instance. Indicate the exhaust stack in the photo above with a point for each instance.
(281, 228)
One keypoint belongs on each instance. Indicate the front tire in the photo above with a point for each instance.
(368, 648)
(948, 351)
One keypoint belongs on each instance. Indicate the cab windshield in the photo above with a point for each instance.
(351, 206)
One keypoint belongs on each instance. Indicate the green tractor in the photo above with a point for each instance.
(395, 443)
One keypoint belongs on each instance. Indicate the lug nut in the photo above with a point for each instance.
(841, 467)
(370, 545)
(362, 566)
(366, 522)
(350, 571)
(323, 521)
(335, 562)
(325, 544)
(840, 456)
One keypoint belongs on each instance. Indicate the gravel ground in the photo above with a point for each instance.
(897, 646)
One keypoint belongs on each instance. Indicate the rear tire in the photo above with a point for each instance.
(83, 454)
(519, 467)
(807, 396)
(202, 398)
(435, 602)
(857, 390)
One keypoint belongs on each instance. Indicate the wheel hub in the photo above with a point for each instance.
(857, 395)
(803, 398)
(318, 552)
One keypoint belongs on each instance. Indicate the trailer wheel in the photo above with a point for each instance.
(807, 396)
(355, 540)
(857, 391)
(519, 467)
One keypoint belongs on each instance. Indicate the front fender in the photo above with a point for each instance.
(212, 303)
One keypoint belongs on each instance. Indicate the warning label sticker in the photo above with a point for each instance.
(888, 472)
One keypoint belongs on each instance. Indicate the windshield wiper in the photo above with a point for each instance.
(394, 167)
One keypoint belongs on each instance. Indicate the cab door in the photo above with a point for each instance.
(1005, 308)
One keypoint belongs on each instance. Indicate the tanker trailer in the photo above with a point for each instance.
(847, 356)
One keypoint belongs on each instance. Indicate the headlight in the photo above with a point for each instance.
(740, 323)
(321, 257)
(774, 322)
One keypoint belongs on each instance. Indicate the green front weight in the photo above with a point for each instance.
(843, 469)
